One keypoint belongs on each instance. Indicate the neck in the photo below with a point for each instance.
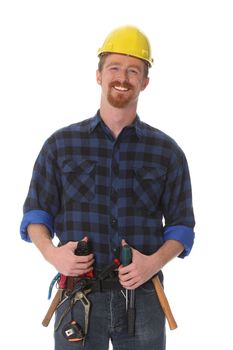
(117, 118)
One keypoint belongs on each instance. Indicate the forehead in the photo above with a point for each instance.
(115, 58)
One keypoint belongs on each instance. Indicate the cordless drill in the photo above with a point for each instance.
(83, 249)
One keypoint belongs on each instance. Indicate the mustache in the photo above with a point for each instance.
(124, 84)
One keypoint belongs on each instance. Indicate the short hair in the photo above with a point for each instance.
(102, 61)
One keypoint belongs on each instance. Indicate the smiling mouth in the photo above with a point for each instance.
(120, 88)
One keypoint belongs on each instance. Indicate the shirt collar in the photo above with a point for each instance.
(94, 122)
(137, 124)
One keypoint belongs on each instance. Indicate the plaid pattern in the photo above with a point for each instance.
(89, 184)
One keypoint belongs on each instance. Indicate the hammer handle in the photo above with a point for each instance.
(164, 302)
(56, 300)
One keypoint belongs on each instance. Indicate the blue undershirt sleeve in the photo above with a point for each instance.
(36, 217)
(181, 233)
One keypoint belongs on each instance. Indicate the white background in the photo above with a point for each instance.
(47, 80)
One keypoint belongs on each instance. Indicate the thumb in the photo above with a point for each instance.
(84, 239)
(123, 242)
(72, 245)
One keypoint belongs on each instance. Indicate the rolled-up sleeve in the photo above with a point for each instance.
(177, 204)
(42, 202)
(183, 234)
(35, 217)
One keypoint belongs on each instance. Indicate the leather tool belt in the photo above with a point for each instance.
(96, 284)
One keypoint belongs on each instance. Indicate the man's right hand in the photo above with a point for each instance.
(62, 258)
(66, 262)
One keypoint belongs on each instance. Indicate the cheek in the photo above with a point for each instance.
(105, 87)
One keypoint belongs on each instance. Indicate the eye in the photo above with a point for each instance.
(113, 68)
(133, 71)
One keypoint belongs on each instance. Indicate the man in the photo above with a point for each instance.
(112, 180)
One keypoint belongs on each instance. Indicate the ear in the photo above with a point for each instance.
(98, 77)
(145, 83)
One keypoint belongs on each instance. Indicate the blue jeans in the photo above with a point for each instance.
(108, 320)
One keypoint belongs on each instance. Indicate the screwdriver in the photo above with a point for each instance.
(126, 259)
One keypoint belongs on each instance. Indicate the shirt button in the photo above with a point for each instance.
(113, 222)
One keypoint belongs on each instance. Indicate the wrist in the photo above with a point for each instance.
(168, 251)
(157, 262)
(48, 252)
(40, 236)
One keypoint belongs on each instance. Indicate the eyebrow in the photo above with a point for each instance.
(119, 64)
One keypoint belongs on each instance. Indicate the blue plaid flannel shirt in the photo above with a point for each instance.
(87, 183)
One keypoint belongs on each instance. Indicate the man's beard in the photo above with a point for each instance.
(118, 99)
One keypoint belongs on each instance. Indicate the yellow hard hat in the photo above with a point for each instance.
(128, 40)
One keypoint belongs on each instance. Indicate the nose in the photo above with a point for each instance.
(123, 75)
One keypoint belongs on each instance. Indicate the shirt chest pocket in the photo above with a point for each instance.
(79, 180)
(148, 186)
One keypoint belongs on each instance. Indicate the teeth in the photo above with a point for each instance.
(120, 88)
